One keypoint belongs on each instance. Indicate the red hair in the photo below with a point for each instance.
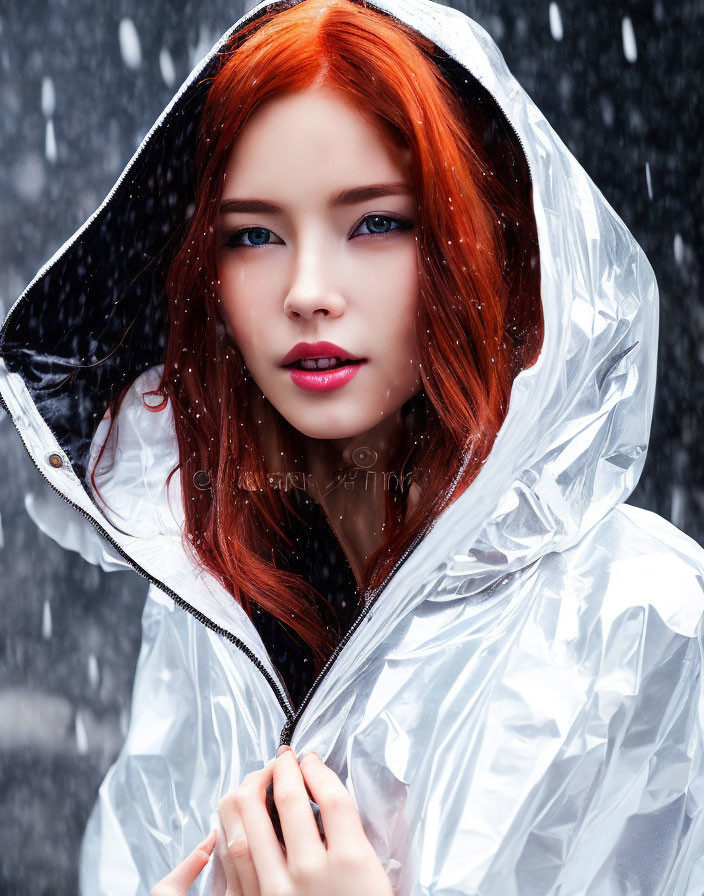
(479, 320)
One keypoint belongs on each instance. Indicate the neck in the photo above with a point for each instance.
(350, 478)
(349, 460)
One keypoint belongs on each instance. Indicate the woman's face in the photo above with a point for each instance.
(297, 266)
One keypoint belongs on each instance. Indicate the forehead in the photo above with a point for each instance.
(312, 139)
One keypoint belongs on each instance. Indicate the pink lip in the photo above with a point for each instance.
(324, 380)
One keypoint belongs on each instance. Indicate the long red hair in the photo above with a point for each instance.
(479, 320)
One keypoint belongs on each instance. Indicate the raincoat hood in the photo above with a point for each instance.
(489, 712)
(573, 443)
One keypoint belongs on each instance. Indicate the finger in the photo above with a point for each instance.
(232, 880)
(298, 825)
(267, 855)
(338, 813)
(240, 873)
(177, 882)
(241, 858)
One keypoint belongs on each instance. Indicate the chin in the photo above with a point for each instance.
(325, 429)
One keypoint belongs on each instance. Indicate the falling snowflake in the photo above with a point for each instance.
(130, 48)
(628, 38)
(555, 22)
(166, 66)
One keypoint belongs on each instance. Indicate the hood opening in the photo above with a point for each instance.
(95, 317)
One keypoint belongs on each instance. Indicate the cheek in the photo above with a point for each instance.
(244, 326)
(241, 316)
(406, 361)
(400, 310)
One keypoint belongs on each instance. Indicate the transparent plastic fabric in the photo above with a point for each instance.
(522, 711)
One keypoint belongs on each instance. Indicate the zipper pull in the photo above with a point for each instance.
(285, 738)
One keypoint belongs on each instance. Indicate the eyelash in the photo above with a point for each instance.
(403, 223)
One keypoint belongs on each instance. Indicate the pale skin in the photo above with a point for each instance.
(316, 270)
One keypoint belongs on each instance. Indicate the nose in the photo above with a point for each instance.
(312, 289)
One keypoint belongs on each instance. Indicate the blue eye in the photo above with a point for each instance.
(259, 236)
(380, 220)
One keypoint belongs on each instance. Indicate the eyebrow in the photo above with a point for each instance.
(351, 196)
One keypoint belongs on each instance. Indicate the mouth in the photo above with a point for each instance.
(308, 375)
(317, 364)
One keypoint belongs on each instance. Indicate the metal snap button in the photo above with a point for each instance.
(56, 460)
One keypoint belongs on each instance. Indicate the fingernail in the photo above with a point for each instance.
(311, 753)
(282, 749)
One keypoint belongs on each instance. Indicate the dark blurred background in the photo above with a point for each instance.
(81, 83)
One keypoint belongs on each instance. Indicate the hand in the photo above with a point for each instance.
(177, 882)
(256, 864)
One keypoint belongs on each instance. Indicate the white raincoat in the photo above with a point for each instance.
(520, 712)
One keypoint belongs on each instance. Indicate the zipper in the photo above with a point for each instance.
(208, 623)
(370, 600)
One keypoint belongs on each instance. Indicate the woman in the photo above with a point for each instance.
(509, 690)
